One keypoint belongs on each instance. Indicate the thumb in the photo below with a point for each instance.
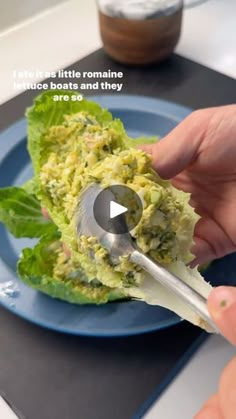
(222, 308)
(227, 390)
(180, 147)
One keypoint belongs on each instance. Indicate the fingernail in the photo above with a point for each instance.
(222, 308)
(221, 299)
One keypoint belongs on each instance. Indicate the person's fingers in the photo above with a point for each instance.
(202, 251)
(227, 390)
(180, 147)
(210, 242)
(217, 243)
(222, 308)
(210, 410)
(223, 404)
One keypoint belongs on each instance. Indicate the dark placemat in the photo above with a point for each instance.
(177, 79)
(51, 376)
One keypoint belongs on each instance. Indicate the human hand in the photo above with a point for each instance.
(199, 155)
(222, 307)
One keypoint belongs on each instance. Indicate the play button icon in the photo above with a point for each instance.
(117, 209)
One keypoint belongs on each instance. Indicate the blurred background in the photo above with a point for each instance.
(14, 11)
(52, 34)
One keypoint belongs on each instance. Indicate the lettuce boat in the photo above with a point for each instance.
(74, 144)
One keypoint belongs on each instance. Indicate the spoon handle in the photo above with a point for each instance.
(188, 295)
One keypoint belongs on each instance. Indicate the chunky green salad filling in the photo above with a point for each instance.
(72, 145)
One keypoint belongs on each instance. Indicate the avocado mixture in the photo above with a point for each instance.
(82, 151)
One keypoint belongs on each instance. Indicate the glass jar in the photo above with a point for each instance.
(139, 32)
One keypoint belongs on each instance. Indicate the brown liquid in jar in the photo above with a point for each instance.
(140, 42)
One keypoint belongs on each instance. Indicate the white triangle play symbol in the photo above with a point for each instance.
(116, 209)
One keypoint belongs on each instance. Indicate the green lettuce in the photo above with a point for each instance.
(47, 269)
(21, 213)
(134, 142)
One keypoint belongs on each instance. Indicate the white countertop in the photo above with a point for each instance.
(196, 382)
(6, 411)
(68, 32)
(64, 34)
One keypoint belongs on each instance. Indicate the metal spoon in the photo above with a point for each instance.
(122, 244)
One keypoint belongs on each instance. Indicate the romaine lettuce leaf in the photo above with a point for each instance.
(46, 268)
(154, 293)
(30, 186)
(134, 142)
(21, 213)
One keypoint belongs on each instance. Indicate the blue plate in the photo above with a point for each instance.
(141, 116)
